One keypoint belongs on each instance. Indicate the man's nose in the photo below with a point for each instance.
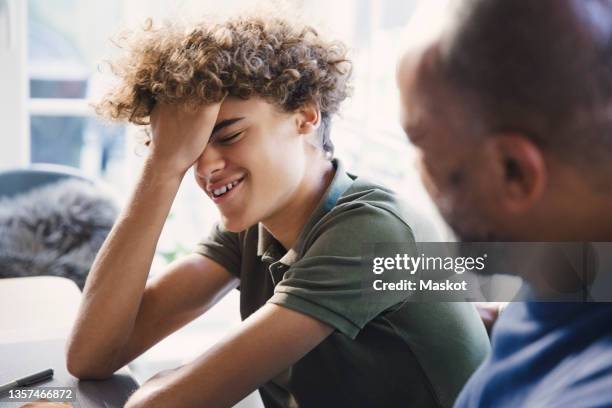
(209, 162)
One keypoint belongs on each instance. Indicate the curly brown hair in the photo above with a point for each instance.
(285, 64)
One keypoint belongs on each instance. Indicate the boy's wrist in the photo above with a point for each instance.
(162, 171)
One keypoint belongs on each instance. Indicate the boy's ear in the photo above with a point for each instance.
(308, 118)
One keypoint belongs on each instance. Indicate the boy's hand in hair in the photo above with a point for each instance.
(180, 135)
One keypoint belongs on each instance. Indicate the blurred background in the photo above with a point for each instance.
(52, 53)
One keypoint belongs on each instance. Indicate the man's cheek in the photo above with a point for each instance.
(442, 197)
(427, 178)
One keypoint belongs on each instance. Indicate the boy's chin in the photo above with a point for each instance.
(233, 225)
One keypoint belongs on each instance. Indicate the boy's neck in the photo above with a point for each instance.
(288, 223)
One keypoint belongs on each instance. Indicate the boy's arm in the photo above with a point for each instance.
(181, 293)
(117, 314)
(265, 344)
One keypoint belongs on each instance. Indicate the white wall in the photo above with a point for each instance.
(14, 129)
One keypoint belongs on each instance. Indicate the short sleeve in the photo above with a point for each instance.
(223, 247)
(331, 282)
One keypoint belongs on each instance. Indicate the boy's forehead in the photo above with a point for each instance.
(254, 108)
(232, 107)
(233, 104)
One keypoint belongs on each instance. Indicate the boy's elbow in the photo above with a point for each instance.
(84, 368)
(84, 372)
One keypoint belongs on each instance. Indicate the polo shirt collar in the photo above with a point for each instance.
(269, 247)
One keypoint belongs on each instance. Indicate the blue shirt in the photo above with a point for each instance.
(546, 355)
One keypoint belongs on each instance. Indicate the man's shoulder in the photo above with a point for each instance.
(583, 379)
(560, 377)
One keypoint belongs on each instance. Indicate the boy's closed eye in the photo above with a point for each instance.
(225, 125)
(229, 139)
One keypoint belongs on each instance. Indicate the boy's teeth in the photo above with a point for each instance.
(220, 191)
(225, 189)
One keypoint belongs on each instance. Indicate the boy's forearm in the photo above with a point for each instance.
(269, 341)
(115, 286)
(157, 392)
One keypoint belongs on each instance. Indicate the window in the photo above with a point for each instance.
(63, 55)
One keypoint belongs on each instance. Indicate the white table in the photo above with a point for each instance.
(44, 308)
(36, 315)
(37, 308)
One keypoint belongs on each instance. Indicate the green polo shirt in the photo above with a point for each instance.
(384, 352)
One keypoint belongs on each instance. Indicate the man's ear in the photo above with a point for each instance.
(308, 118)
(522, 165)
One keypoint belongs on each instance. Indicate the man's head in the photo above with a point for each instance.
(511, 110)
(280, 84)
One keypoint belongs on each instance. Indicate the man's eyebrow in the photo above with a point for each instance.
(225, 123)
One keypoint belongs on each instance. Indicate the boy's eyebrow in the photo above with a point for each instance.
(225, 123)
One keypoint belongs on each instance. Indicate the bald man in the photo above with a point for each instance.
(511, 111)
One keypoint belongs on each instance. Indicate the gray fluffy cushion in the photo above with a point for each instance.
(54, 230)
